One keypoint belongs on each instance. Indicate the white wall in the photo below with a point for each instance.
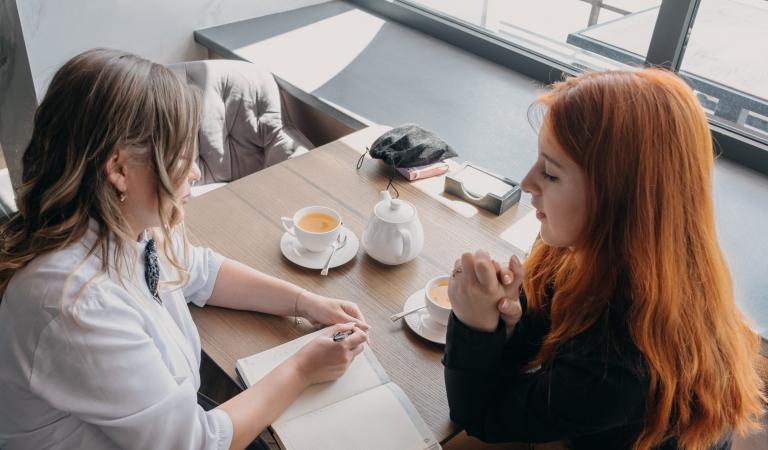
(38, 36)
(161, 30)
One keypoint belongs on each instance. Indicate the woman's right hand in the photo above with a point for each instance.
(323, 359)
(511, 277)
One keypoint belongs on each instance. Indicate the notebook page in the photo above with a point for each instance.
(364, 373)
(377, 419)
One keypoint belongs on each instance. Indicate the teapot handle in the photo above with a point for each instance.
(406, 235)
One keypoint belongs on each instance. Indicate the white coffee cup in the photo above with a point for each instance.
(315, 227)
(437, 301)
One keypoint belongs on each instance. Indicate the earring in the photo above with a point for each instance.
(122, 197)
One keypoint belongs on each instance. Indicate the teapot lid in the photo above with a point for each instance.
(394, 210)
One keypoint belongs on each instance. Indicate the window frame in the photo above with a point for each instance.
(667, 48)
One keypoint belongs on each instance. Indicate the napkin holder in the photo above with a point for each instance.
(462, 183)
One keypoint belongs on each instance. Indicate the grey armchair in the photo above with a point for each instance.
(242, 128)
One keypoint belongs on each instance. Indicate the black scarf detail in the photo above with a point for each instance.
(152, 269)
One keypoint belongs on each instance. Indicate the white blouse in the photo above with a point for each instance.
(87, 363)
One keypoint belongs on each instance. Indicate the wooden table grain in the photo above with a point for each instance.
(242, 222)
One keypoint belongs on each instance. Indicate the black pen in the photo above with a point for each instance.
(341, 335)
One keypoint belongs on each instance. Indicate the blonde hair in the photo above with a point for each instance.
(98, 102)
(642, 139)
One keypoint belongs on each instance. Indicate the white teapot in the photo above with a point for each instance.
(394, 234)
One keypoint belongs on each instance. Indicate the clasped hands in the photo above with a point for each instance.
(482, 291)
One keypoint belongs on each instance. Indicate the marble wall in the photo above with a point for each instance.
(49, 32)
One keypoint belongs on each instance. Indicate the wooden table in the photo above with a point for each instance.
(242, 221)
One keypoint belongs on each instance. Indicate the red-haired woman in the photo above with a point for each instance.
(620, 332)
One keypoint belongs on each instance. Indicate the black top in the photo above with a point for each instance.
(591, 394)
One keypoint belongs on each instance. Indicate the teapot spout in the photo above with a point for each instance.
(384, 196)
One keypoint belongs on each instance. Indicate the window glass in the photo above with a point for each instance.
(591, 34)
(726, 63)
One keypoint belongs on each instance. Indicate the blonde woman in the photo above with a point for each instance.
(97, 346)
(625, 334)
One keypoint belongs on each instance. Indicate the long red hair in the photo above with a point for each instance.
(643, 141)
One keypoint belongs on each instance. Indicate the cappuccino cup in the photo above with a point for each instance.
(315, 227)
(437, 301)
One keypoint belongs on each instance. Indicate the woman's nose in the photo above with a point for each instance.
(527, 184)
(195, 174)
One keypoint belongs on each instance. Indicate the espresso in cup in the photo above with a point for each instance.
(315, 227)
(439, 293)
(318, 222)
(437, 300)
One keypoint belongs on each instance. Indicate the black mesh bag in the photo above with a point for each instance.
(408, 145)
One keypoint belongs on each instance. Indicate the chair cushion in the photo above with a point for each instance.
(241, 130)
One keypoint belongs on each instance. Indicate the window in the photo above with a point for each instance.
(726, 63)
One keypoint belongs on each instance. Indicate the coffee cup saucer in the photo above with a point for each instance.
(420, 322)
(297, 254)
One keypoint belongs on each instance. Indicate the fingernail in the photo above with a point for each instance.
(507, 279)
(504, 304)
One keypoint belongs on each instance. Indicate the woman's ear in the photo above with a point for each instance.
(116, 171)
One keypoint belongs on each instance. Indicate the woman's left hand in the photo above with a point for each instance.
(320, 310)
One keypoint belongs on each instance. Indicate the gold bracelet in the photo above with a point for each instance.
(296, 318)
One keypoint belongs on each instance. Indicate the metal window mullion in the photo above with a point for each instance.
(670, 35)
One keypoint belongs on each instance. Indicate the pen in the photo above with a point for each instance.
(341, 335)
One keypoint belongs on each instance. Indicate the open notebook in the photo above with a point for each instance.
(361, 410)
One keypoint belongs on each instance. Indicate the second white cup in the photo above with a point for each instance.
(315, 227)
(436, 297)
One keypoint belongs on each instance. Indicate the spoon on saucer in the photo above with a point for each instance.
(398, 316)
(337, 244)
